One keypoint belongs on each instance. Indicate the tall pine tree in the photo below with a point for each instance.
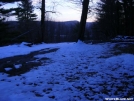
(25, 14)
(116, 17)
(107, 17)
(4, 14)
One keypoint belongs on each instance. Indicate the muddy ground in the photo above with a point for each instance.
(21, 64)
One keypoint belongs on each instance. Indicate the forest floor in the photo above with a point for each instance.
(68, 72)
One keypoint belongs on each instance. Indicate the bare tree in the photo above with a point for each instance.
(83, 19)
(85, 9)
(42, 19)
(42, 7)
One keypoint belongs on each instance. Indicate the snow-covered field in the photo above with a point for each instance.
(78, 72)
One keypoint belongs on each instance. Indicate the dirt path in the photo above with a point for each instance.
(20, 64)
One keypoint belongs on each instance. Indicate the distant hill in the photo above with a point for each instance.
(67, 23)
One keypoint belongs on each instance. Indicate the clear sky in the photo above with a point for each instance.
(65, 11)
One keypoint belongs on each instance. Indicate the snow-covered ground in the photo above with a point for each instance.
(79, 72)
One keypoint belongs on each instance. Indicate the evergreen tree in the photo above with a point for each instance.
(115, 17)
(9, 1)
(3, 25)
(128, 16)
(2, 18)
(4, 13)
(107, 17)
(25, 14)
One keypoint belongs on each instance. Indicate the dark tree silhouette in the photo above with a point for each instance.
(25, 10)
(42, 20)
(116, 17)
(83, 19)
(9, 1)
(4, 13)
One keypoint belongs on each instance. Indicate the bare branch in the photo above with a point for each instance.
(50, 12)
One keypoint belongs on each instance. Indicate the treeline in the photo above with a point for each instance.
(23, 13)
(54, 32)
(26, 28)
(114, 17)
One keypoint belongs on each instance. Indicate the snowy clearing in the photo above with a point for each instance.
(76, 72)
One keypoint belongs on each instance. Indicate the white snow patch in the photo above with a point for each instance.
(8, 68)
(17, 66)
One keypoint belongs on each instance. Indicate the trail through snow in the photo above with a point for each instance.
(79, 72)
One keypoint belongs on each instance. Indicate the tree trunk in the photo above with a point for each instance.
(117, 18)
(131, 17)
(83, 20)
(126, 17)
(42, 20)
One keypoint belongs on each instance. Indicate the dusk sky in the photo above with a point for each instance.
(65, 11)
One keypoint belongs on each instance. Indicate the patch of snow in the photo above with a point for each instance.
(21, 49)
(18, 66)
(80, 42)
(8, 68)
